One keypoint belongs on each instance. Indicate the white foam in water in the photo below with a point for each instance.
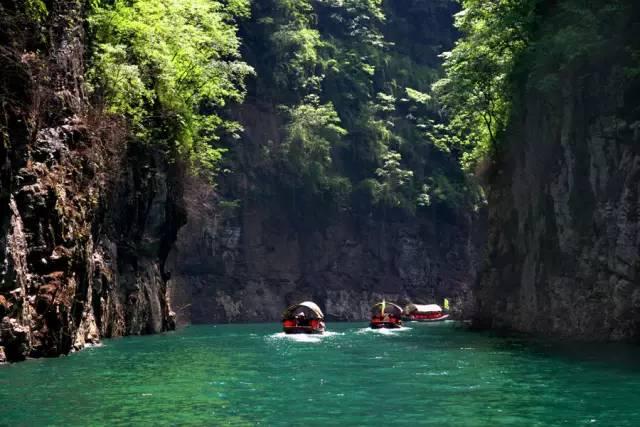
(382, 331)
(304, 337)
(331, 334)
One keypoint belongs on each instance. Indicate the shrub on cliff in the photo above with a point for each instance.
(495, 57)
(169, 67)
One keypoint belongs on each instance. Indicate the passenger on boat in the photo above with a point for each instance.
(302, 319)
(385, 315)
(305, 317)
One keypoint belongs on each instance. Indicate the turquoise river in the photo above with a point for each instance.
(426, 374)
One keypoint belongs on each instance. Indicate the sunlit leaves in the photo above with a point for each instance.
(417, 96)
(176, 57)
(36, 10)
(392, 179)
(121, 83)
(476, 89)
(296, 56)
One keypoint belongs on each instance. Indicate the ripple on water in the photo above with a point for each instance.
(382, 331)
(243, 375)
(307, 338)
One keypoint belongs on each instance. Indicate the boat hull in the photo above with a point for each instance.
(302, 330)
(385, 325)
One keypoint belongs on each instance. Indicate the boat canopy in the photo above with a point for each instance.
(309, 309)
(388, 307)
(422, 308)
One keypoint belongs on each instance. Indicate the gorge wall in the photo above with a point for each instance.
(250, 265)
(86, 218)
(564, 196)
(312, 211)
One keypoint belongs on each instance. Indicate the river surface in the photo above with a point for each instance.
(426, 374)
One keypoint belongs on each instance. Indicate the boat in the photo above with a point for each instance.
(424, 313)
(386, 315)
(303, 318)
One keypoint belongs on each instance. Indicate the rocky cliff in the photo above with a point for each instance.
(246, 260)
(290, 223)
(252, 264)
(564, 228)
(86, 217)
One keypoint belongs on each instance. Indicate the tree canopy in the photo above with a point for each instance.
(354, 92)
(506, 44)
(170, 67)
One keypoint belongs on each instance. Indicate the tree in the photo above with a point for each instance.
(392, 179)
(311, 134)
(170, 65)
(475, 91)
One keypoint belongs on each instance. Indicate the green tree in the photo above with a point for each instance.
(311, 134)
(170, 65)
(477, 86)
(392, 180)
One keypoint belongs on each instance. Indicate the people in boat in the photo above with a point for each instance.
(385, 315)
(301, 319)
(305, 317)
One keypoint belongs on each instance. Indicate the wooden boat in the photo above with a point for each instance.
(385, 315)
(303, 318)
(424, 313)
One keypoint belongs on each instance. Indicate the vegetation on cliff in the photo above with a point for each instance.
(170, 67)
(500, 51)
(356, 76)
(350, 82)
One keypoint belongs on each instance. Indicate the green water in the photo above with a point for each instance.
(429, 374)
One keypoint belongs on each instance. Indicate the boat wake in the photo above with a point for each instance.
(316, 338)
(382, 331)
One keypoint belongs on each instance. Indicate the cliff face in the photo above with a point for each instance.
(250, 266)
(275, 236)
(86, 220)
(248, 260)
(564, 228)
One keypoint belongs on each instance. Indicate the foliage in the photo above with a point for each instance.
(475, 91)
(507, 42)
(36, 10)
(311, 134)
(358, 110)
(577, 33)
(392, 180)
(170, 66)
(418, 97)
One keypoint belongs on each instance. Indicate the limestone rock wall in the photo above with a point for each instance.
(252, 264)
(86, 219)
(564, 236)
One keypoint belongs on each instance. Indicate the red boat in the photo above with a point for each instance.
(303, 318)
(424, 313)
(386, 315)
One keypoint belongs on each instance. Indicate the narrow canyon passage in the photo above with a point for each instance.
(438, 199)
